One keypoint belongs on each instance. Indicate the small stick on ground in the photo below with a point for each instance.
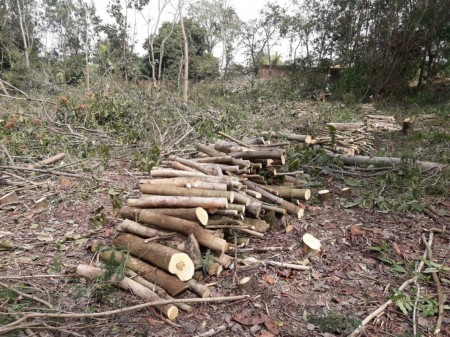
(437, 330)
(37, 299)
(213, 331)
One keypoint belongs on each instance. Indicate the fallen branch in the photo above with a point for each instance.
(437, 330)
(383, 307)
(14, 325)
(34, 298)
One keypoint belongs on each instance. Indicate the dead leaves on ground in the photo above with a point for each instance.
(253, 317)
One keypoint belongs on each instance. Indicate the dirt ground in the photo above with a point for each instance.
(347, 281)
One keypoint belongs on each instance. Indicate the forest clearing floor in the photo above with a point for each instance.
(368, 251)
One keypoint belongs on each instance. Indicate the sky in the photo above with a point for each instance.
(246, 10)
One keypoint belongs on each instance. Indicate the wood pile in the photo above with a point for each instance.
(192, 212)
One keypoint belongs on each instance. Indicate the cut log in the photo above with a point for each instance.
(9, 198)
(289, 207)
(52, 159)
(237, 141)
(199, 289)
(242, 241)
(179, 166)
(157, 289)
(345, 193)
(253, 194)
(215, 269)
(41, 203)
(146, 232)
(310, 244)
(227, 168)
(204, 237)
(258, 225)
(254, 208)
(179, 201)
(290, 136)
(241, 198)
(256, 141)
(192, 248)
(185, 192)
(275, 209)
(225, 260)
(247, 284)
(220, 220)
(239, 208)
(168, 310)
(168, 259)
(169, 283)
(196, 214)
(209, 151)
(323, 195)
(261, 154)
(346, 126)
(210, 169)
(385, 161)
(406, 125)
(286, 192)
(188, 182)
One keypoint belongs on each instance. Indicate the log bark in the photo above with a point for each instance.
(387, 161)
(323, 195)
(345, 192)
(52, 159)
(126, 283)
(346, 126)
(186, 182)
(253, 194)
(168, 259)
(178, 201)
(179, 166)
(169, 283)
(204, 237)
(239, 208)
(192, 249)
(290, 136)
(286, 192)
(169, 173)
(197, 214)
(258, 225)
(247, 284)
(198, 288)
(275, 209)
(261, 154)
(256, 141)
(254, 208)
(185, 192)
(207, 150)
(215, 269)
(310, 244)
(157, 289)
(210, 169)
(241, 198)
(146, 232)
(225, 260)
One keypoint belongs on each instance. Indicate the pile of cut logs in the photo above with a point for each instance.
(192, 212)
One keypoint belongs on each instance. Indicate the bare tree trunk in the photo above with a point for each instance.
(186, 55)
(24, 37)
(87, 51)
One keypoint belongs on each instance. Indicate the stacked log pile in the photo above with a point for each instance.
(197, 208)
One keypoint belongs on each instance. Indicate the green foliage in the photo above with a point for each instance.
(335, 322)
(403, 301)
(207, 261)
(386, 255)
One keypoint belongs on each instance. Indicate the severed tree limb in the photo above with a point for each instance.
(18, 292)
(383, 307)
(213, 332)
(437, 330)
(14, 325)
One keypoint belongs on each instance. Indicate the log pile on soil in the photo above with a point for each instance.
(193, 215)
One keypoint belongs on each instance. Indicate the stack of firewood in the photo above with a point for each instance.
(205, 205)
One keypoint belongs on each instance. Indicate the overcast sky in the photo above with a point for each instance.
(246, 10)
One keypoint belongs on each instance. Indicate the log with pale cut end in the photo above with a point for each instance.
(345, 192)
(260, 154)
(239, 208)
(188, 182)
(310, 244)
(169, 283)
(146, 232)
(9, 198)
(227, 212)
(258, 225)
(242, 241)
(274, 209)
(52, 159)
(178, 201)
(168, 259)
(225, 260)
(323, 195)
(41, 203)
(204, 237)
(199, 289)
(287, 192)
(240, 197)
(256, 141)
(157, 289)
(227, 168)
(179, 166)
(215, 269)
(126, 283)
(254, 208)
(406, 125)
(210, 169)
(208, 150)
(247, 284)
(185, 192)
(197, 214)
(253, 194)
(289, 136)
(346, 126)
